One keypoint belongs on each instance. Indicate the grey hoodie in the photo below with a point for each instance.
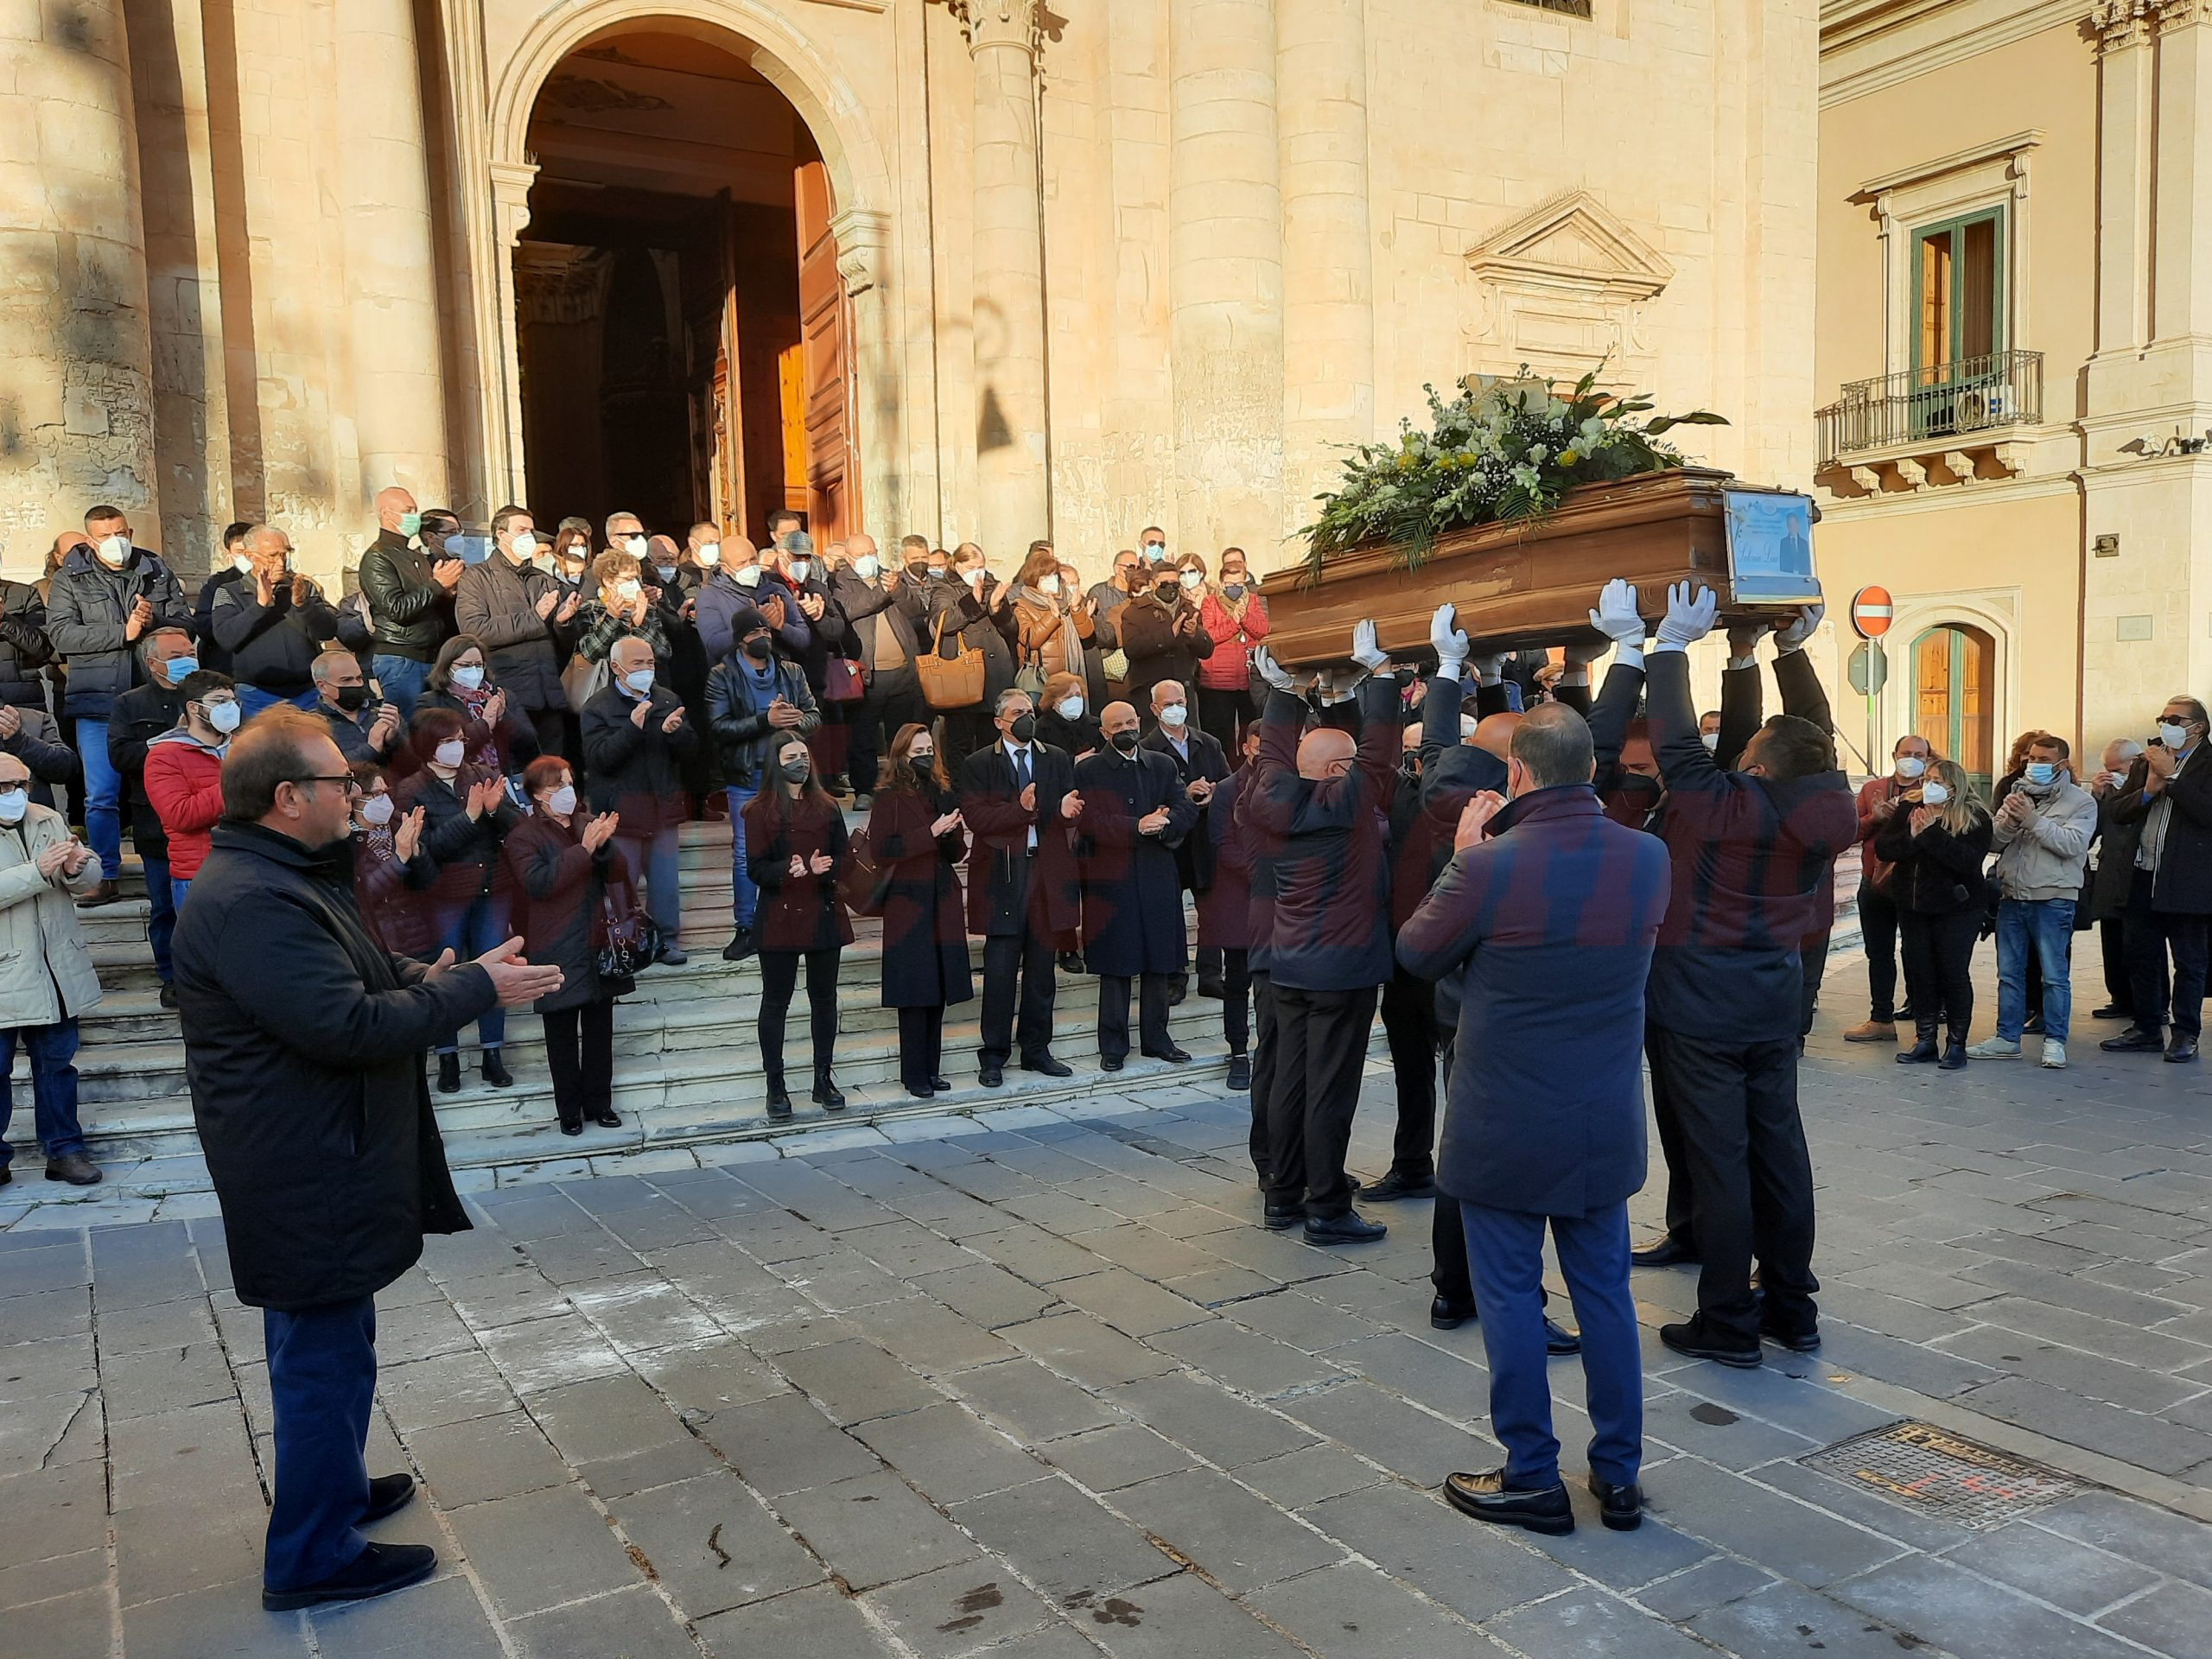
(2044, 857)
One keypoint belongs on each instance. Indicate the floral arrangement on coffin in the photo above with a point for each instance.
(1500, 451)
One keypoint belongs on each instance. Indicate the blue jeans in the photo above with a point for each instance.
(54, 1087)
(747, 896)
(468, 929)
(323, 1375)
(179, 885)
(252, 700)
(2044, 928)
(1505, 1256)
(402, 680)
(161, 911)
(657, 857)
(103, 796)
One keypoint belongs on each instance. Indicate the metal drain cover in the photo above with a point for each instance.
(1922, 1467)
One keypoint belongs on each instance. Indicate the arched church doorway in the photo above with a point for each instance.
(1954, 681)
(683, 334)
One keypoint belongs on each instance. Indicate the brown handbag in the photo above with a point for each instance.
(955, 681)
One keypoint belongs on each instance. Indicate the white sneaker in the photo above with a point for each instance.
(2054, 1054)
(1993, 1048)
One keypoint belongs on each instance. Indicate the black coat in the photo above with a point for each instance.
(1206, 759)
(1933, 873)
(1079, 736)
(1163, 643)
(559, 892)
(23, 646)
(414, 614)
(303, 1043)
(464, 851)
(968, 617)
(2117, 839)
(140, 716)
(2183, 885)
(1225, 907)
(1132, 894)
(350, 732)
(638, 773)
(740, 717)
(497, 603)
(796, 913)
(274, 646)
(514, 739)
(208, 650)
(998, 903)
(924, 935)
(88, 607)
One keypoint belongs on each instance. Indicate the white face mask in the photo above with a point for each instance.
(626, 589)
(525, 543)
(242, 564)
(667, 573)
(470, 678)
(639, 680)
(1910, 766)
(223, 716)
(1934, 794)
(2171, 735)
(1192, 581)
(1173, 715)
(635, 546)
(708, 555)
(1069, 708)
(113, 551)
(375, 811)
(561, 801)
(450, 752)
(1712, 741)
(801, 569)
(749, 576)
(14, 803)
(1049, 585)
(867, 566)
(973, 578)
(543, 560)
(1155, 552)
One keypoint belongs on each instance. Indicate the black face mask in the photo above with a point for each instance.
(1023, 729)
(917, 573)
(757, 648)
(352, 698)
(1164, 592)
(795, 771)
(1125, 741)
(1409, 763)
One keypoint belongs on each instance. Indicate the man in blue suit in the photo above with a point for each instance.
(1549, 911)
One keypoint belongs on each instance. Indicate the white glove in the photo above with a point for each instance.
(1365, 651)
(1450, 644)
(1616, 616)
(1264, 665)
(1792, 635)
(1689, 616)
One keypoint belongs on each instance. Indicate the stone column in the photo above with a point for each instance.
(505, 473)
(1224, 260)
(874, 438)
(2125, 85)
(76, 396)
(1328, 274)
(2182, 208)
(1012, 457)
(392, 288)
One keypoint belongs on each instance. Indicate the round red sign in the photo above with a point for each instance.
(1871, 612)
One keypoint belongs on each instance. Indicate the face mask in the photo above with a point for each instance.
(180, 667)
(749, 577)
(1049, 585)
(1712, 741)
(1175, 715)
(2171, 735)
(920, 758)
(114, 549)
(867, 566)
(1232, 590)
(1125, 741)
(708, 554)
(1467, 723)
(375, 811)
(469, 678)
(667, 574)
(1409, 763)
(1910, 766)
(1192, 582)
(1070, 707)
(1022, 728)
(757, 648)
(352, 698)
(801, 569)
(1934, 794)
(1165, 592)
(796, 769)
(450, 752)
(410, 524)
(940, 573)
(242, 564)
(1154, 551)
(525, 543)
(2041, 773)
(635, 546)
(639, 680)
(626, 589)
(973, 578)
(223, 716)
(562, 800)
(14, 803)
(543, 561)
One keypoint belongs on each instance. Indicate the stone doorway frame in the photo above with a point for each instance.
(496, 209)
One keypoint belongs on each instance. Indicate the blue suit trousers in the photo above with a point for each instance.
(323, 1378)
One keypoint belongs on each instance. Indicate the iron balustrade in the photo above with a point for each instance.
(1942, 400)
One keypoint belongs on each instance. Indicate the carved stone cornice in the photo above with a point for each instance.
(863, 236)
(2181, 14)
(2121, 24)
(1024, 25)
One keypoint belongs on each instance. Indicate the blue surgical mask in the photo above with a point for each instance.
(180, 667)
(2040, 773)
(639, 680)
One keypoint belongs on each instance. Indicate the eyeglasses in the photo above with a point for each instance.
(353, 784)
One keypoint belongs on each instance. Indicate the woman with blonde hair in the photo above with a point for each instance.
(1936, 842)
(1047, 619)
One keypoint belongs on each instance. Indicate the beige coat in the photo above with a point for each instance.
(39, 945)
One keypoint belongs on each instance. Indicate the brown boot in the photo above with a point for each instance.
(1874, 1031)
(74, 1168)
(107, 894)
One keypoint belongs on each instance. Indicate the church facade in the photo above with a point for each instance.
(983, 269)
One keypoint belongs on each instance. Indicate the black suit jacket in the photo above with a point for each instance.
(1003, 888)
(2183, 885)
(1207, 759)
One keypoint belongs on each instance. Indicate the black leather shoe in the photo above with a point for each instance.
(1689, 1339)
(1048, 1066)
(989, 1075)
(168, 993)
(1669, 1252)
(1955, 1056)
(827, 1095)
(576, 1127)
(1071, 964)
(671, 955)
(1349, 1228)
(1178, 991)
(779, 1101)
(1487, 1497)
(448, 1074)
(1807, 1341)
(2111, 1011)
(1212, 985)
(1281, 1221)
(941, 1085)
(1621, 1508)
(2135, 1040)
(377, 1571)
(495, 1069)
(1240, 1072)
(1111, 1062)
(1445, 1314)
(388, 1495)
(7, 1175)
(1395, 1187)
(607, 1118)
(1921, 1054)
(2182, 1049)
(741, 946)
(1558, 1339)
(1171, 1054)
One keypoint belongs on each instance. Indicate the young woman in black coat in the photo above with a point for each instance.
(466, 814)
(794, 846)
(1938, 839)
(560, 867)
(918, 840)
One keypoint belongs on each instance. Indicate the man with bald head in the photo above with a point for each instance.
(411, 599)
(1326, 795)
(637, 740)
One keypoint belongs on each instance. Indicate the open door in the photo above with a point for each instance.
(833, 505)
(726, 470)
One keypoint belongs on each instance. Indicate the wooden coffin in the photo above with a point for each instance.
(1533, 583)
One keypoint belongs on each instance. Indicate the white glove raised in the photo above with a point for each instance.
(1689, 615)
(1264, 665)
(1366, 651)
(1450, 644)
(1616, 617)
(1793, 634)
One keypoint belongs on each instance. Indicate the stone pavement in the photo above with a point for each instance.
(1038, 1386)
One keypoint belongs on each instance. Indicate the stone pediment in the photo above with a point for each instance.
(1572, 241)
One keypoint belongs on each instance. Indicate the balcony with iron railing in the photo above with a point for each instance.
(1942, 405)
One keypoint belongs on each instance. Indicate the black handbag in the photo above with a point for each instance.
(631, 938)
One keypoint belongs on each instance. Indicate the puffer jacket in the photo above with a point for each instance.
(184, 782)
(1938, 872)
(23, 647)
(87, 607)
(2045, 859)
(46, 977)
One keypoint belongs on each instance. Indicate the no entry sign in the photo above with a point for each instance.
(1871, 612)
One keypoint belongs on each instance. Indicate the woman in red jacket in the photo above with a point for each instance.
(1236, 617)
(184, 772)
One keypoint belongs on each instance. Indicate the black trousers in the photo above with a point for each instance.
(557, 733)
(2152, 937)
(1877, 928)
(1939, 970)
(2112, 942)
(1114, 1014)
(1813, 962)
(1266, 1045)
(1018, 989)
(1236, 999)
(1225, 715)
(1409, 1024)
(1671, 1149)
(779, 978)
(965, 731)
(1750, 1182)
(921, 1046)
(580, 1053)
(880, 716)
(1323, 1036)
